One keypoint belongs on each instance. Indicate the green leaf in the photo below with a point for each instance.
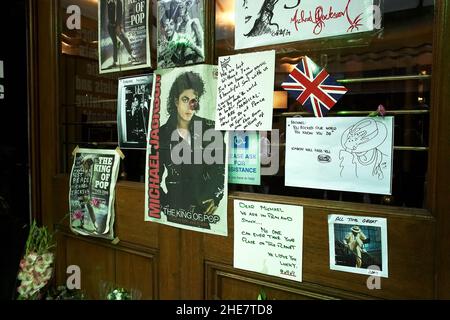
(262, 295)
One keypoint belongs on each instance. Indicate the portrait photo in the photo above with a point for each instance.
(358, 244)
(180, 33)
(186, 180)
(123, 35)
(133, 105)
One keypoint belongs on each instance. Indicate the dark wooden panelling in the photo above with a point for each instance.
(224, 282)
(130, 225)
(170, 263)
(96, 264)
(439, 173)
(410, 248)
(137, 272)
(60, 264)
(61, 203)
(44, 87)
(191, 268)
(126, 265)
(182, 253)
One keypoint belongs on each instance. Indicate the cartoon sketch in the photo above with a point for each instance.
(264, 21)
(361, 151)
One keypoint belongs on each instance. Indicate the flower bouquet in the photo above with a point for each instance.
(119, 294)
(112, 291)
(63, 293)
(36, 267)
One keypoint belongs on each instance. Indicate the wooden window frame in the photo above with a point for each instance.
(43, 85)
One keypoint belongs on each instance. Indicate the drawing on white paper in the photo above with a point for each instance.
(361, 153)
(264, 22)
(269, 22)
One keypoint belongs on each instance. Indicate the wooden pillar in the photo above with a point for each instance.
(439, 166)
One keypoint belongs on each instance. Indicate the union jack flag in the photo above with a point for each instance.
(313, 87)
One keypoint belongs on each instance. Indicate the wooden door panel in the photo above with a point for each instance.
(410, 248)
(130, 225)
(137, 272)
(96, 264)
(181, 255)
(224, 283)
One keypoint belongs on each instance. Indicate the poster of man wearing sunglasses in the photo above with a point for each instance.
(191, 154)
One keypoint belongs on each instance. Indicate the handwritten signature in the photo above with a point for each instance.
(321, 16)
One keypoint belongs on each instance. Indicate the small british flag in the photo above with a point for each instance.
(313, 87)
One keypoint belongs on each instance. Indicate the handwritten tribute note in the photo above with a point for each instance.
(345, 154)
(268, 238)
(245, 91)
(267, 22)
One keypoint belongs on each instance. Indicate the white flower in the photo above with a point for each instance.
(48, 258)
(31, 258)
(23, 290)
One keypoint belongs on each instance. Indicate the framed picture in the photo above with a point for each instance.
(123, 32)
(180, 32)
(133, 105)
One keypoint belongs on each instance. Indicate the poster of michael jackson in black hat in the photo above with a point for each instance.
(180, 33)
(187, 169)
(133, 104)
(123, 32)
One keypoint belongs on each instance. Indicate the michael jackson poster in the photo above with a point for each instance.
(91, 195)
(180, 33)
(133, 104)
(123, 32)
(187, 169)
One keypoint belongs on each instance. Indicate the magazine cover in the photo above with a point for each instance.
(187, 169)
(91, 195)
(123, 31)
(133, 105)
(180, 26)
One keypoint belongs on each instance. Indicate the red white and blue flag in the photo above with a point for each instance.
(313, 87)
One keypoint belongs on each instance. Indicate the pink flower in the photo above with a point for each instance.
(23, 264)
(78, 215)
(381, 110)
(95, 202)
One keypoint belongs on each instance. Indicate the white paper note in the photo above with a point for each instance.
(267, 22)
(268, 238)
(344, 154)
(245, 91)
